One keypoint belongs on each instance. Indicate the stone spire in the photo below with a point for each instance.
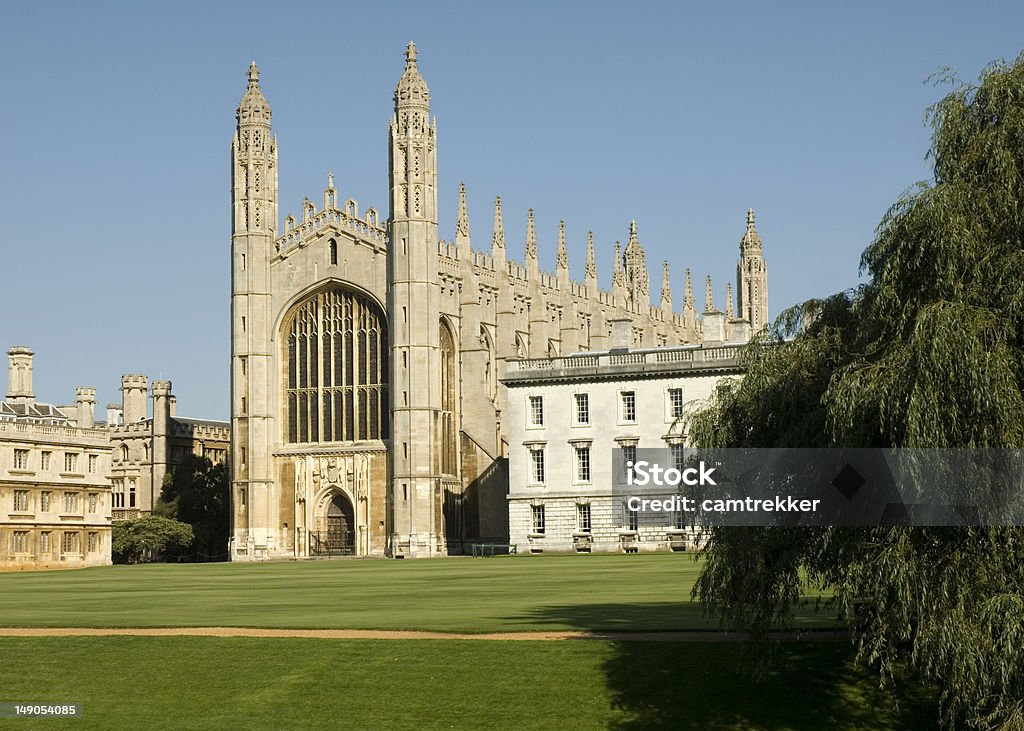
(462, 242)
(562, 257)
(531, 237)
(666, 287)
(412, 90)
(730, 313)
(750, 239)
(709, 300)
(637, 277)
(688, 303)
(253, 108)
(462, 221)
(498, 235)
(591, 268)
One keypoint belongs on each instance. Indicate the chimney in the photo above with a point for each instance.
(133, 397)
(19, 375)
(172, 401)
(85, 401)
(622, 333)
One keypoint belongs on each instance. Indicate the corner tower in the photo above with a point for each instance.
(253, 228)
(752, 279)
(414, 309)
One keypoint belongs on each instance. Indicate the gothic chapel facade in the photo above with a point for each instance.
(366, 406)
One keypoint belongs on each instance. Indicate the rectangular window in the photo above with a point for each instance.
(21, 459)
(537, 465)
(678, 456)
(94, 541)
(538, 518)
(44, 461)
(583, 517)
(678, 520)
(536, 411)
(69, 542)
(582, 408)
(70, 461)
(19, 541)
(93, 462)
(44, 542)
(634, 519)
(93, 500)
(70, 502)
(583, 463)
(628, 458)
(21, 500)
(629, 406)
(675, 403)
(44, 501)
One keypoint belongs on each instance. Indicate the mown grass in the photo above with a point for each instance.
(247, 683)
(600, 592)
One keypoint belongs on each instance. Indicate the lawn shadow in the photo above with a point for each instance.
(713, 685)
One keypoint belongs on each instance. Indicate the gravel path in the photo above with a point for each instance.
(371, 634)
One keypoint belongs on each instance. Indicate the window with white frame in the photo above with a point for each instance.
(675, 403)
(628, 406)
(583, 517)
(94, 541)
(93, 501)
(538, 518)
(44, 461)
(69, 542)
(678, 519)
(70, 461)
(44, 542)
(537, 464)
(70, 502)
(633, 518)
(21, 459)
(44, 501)
(93, 462)
(582, 462)
(628, 458)
(678, 455)
(19, 541)
(536, 411)
(582, 408)
(21, 500)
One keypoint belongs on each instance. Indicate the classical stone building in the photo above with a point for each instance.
(367, 414)
(54, 478)
(569, 415)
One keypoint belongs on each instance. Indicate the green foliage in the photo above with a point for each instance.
(196, 492)
(928, 353)
(147, 539)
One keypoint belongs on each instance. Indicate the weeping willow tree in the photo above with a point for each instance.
(927, 353)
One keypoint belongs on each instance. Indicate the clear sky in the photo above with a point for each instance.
(116, 120)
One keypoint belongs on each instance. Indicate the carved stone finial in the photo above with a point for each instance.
(462, 221)
(410, 54)
(591, 270)
(666, 286)
(688, 292)
(709, 300)
(750, 240)
(254, 74)
(330, 181)
(730, 313)
(562, 257)
(531, 237)
(498, 237)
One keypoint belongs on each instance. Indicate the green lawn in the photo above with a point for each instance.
(243, 683)
(601, 592)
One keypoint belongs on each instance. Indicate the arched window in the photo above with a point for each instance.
(446, 432)
(332, 247)
(336, 389)
(124, 452)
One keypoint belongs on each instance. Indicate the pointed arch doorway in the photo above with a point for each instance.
(336, 527)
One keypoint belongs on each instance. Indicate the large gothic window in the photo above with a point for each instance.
(337, 369)
(446, 433)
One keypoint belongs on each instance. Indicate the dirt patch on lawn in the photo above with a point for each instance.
(372, 634)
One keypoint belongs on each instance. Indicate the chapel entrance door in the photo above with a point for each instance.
(340, 526)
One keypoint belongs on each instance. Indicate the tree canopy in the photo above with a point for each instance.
(148, 538)
(196, 492)
(927, 353)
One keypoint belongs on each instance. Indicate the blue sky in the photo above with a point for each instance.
(117, 117)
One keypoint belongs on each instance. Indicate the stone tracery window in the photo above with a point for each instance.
(336, 365)
(446, 433)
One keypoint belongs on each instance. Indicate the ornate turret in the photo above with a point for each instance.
(709, 298)
(730, 313)
(498, 232)
(253, 108)
(462, 242)
(411, 91)
(752, 278)
(688, 303)
(666, 288)
(637, 278)
(590, 272)
(562, 258)
(531, 239)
